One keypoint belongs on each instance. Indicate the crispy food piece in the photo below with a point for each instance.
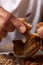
(18, 47)
(6, 60)
(9, 60)
(19, 44)
(30, 47)
(11, 55)
(39, 24)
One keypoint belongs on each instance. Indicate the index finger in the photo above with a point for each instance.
(18, 24)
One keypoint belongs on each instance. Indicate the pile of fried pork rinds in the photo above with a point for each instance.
(30, 44)
(11, 60)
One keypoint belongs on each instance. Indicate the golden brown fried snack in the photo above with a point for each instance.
(19, 44)
(29, 48)
(32, 45)
(10, 60)
(18, 47)
(6, 60)
(39, 24)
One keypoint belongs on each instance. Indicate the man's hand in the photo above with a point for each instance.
(8, 23)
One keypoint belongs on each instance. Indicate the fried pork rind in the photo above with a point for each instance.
(6, 60)
(29, 48)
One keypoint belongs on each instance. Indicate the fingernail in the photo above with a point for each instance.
(22, 29)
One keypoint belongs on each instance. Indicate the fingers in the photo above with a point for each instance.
(2, 22)
(4, 17)
(18, 24)
(9, 27)
(3, 33)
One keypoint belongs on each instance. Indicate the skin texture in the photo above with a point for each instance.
(8, 22)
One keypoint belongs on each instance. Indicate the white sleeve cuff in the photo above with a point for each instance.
(10, 5)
